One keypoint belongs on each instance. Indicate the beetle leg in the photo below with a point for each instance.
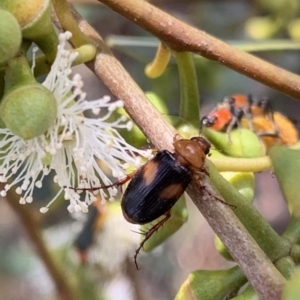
(148, 234)
(205, 171)
(217, 198)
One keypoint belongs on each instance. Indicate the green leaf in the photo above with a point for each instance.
(286, 164)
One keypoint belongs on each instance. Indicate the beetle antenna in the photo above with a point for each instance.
(117, 183)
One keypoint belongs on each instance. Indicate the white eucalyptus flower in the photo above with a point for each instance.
(72, 147)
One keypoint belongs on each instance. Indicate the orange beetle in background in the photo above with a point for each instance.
(254, 113)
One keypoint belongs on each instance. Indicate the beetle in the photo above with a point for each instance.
(237, 109)
(157, 185)
(253, 113)
(287, 133)
(232, 109)
(250, 105)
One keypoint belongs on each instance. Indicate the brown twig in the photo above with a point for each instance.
(32, 228)
(269, 282)
(181, 37)
(261, 273)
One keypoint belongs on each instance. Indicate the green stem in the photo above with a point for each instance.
(2, 83)
(230, 164)
(48, 44)
(42, 32)
(295, 253)
(119, 41)
(286, 266)
(292, 232)
(189, 95)
(17, 73)
(85, 53)
(272, 244)
(267, 45)
(67, 21)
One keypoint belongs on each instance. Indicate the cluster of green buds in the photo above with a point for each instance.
(27, 108)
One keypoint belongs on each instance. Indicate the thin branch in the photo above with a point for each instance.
(32, 228)
(181, 37)
(62, 10)
(268, 282)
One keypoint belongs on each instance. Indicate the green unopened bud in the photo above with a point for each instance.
(29, 110)
(239, 143)
(35, 21)
(211, 285)
(286, 266)
(187, 131)
(248, 294)
(292, 288)
(261, 27)
(10, 36)
(294, 29)
(221, 248)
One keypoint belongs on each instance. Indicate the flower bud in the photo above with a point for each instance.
(29, 110)
(208, 284)
(260, 28)
(10, 36)
(35, 21)
(294, 29)
(291, 289)
(187, 131)
(238, 143)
